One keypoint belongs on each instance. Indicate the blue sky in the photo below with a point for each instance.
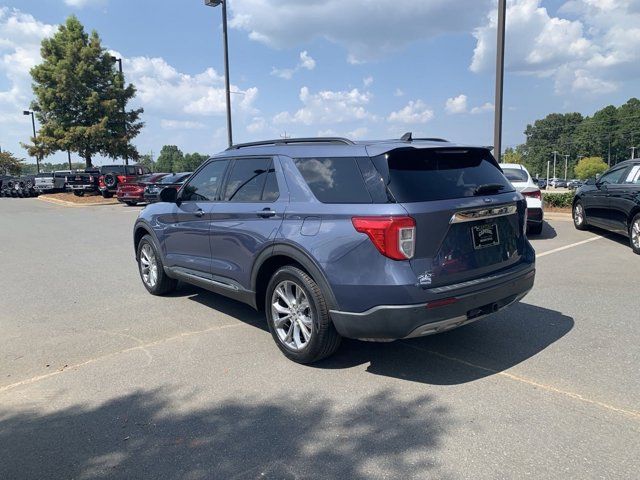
(360, 68)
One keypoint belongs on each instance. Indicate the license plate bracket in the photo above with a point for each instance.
(485, 236)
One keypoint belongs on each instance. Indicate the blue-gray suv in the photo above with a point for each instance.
(375, 240)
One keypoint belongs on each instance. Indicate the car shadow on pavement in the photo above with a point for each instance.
(156, 434)
(466, 354)
(548, 232)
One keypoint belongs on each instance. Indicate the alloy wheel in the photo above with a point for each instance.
(578, 214)
(292, 315)
(635, 234)
(148, 266)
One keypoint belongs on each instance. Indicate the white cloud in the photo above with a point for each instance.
(384, 28)
(306, 62)
(20, 38)
(456, 105)
(257, 125)
(161, 88)
(367, 81)
(398, 93)
(181, 125)
(415, 112)
(592, 51)
(84, 3)
(487, 107)
(328, 106)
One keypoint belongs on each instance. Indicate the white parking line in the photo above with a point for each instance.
(567, 247)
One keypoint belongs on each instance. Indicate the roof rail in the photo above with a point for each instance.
(293, 141)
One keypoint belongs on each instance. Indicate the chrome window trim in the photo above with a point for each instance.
(483, 214)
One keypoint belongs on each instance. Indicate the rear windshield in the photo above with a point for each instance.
(414, 175)
(113, 169)
(515, 174)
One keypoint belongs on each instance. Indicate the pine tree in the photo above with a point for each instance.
(80, 97)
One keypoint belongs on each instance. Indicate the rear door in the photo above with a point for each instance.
(187, 227)
(469, 219)
(247, 219)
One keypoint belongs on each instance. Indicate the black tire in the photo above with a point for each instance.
(111, 180)
(131, 204)
(635, 223)
(324, 340)
(78, 193)
(535, 229)
(164, 284)
(583, 224)
(106, 194)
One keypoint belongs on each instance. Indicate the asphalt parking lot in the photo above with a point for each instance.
(98, 379)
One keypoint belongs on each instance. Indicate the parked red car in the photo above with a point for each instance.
(131, 192)
(113, 175)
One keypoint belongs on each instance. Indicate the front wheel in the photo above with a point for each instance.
(78, 193)
(131, 204)
(634, 234)
(298, 317)
(151, 269)
(579, 216)
(106, 194)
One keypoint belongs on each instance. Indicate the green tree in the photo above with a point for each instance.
(170, 156)
(146, 160)
(190, 162)
(10, 164)
(80, 97)
(512, 156)
(589, 167)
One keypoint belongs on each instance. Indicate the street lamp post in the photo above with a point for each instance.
(215, 3)
(497, 139)
(33, 124)
(124, 111)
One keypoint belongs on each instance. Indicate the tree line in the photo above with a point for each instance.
(610, 134)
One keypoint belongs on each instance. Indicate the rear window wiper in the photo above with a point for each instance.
(488, 188)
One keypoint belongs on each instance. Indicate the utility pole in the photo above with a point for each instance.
(548, 167)
(555, 156)
(69, 157)
(566, 164)
(633, 152)
(497, 138)
(124, 111)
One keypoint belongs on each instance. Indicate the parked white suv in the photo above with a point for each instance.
(523, 183)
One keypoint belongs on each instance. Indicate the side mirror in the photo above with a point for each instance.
(590, 181)
(169, 195)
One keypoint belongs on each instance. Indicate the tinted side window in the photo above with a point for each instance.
(271, 191)
(334, 180)
(633, 177)
(246, 180)
(612, 177)
(204, 186)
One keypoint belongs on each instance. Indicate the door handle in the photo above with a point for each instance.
(199, 213)
(266, 213)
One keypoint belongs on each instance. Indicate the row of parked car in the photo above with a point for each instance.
(130, 184)
(559, 183)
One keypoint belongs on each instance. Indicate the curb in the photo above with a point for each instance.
(64, 203)
(558, 216)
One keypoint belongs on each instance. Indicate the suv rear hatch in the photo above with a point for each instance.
(469, 219)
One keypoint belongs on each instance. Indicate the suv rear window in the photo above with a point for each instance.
(515, 174)
(423, 175)
(334, 180)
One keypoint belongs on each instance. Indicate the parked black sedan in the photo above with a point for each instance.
(175, 180)
(612, 202)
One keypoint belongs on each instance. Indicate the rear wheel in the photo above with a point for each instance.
(78, 193)
(579, 216)
(634, 234)
(535, 229)
(131, 204)
(151, 269)
(106, 194)
(298, 317)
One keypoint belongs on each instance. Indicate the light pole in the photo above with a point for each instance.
(124, 111)
(33, 124)
(497, 137)
(566, 165)
(215, 3)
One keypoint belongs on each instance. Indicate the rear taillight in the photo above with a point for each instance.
(394, 237)
(533, 194)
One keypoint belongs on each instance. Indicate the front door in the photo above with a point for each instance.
(623, 199)
(247, 219)
(598, 203)
(187, 242)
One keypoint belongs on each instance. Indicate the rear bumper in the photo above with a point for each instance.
(392, 322)
(83, 188)
(535, 216)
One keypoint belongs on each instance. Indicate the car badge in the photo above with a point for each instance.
(488, 200)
